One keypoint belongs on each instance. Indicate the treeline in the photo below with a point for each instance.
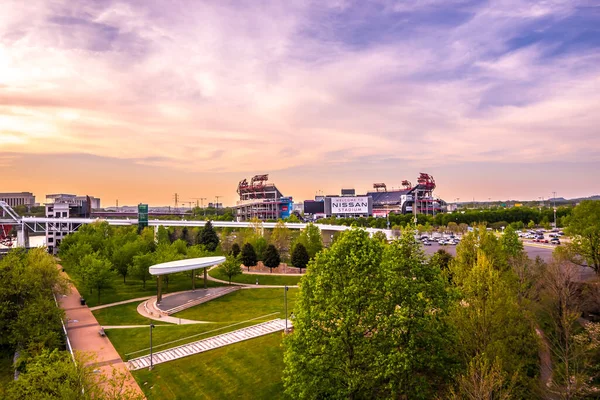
(518, 217)
(31, 329)
(99, 252)
(379, 320)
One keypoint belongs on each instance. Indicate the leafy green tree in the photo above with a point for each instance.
(584, 227)
(272, 258)
(300, 257)
(260, 245)
(235, 250)
(311, 238)
(28, 313)
(441, 259)
(208, 237)
(163, 235)
(510, 242)
(123, 255)
(249, 258)
(381, 236)
(97, 272)
(491, 323)
(231, 267)
(140, 268)
(52, 375)
(281, 237)
(360, 307)
(531, 224)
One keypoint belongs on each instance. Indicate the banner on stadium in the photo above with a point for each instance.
(349, 205)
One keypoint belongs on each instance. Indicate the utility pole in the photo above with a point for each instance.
(176, 197)
(117, 205)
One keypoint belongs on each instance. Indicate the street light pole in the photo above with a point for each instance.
(151, 364)
(285, 302)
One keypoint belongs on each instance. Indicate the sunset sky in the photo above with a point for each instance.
(137, 100)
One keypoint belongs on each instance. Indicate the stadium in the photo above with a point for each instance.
(258, 199)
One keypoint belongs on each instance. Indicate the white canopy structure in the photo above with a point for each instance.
(185, 265)
(182, 266)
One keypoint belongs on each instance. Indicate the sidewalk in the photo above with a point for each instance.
(82, 329)
(118, 303)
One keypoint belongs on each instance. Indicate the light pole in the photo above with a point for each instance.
(285, 302)
(151, 364)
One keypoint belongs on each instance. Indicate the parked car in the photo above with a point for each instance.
(426, 243)
(554, 240)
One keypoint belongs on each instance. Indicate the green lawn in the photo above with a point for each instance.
(242, 305)
(247, 370)
(133, 288)
(130, 340)
(266, 279)
(125, 314)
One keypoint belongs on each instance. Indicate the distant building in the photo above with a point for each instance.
(94, 202)
(18, 199)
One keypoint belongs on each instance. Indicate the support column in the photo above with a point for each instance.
(159, 289)
(205, 273)
(193, 279)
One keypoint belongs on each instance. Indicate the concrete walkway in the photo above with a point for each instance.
(118, 303)
(82, 330)
(207, 344)
(148, 309)
(249, 285)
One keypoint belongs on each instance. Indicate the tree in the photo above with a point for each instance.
(360, 307)
(235, 250)
(231, 267)
(140, 268)
(584, 227)
(381, 236)
(52, 374)
(510, 243)
(208, 237)
(28, 313)
(281, 237)
(163, 235)
(123, 255)
(272, 258)
(531, 224)
(311, 238)
(249, 258)
(490, 322)
(97, 272)
(300, 257)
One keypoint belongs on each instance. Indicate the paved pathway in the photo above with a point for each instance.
(211, 343)
(118, 303)
(82, 330)
(176, 302)
(149, 310)
(249, 285)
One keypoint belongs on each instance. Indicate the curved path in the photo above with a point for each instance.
(250, 285)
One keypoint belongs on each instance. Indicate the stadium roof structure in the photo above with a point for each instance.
(185, 265)
(388, 198)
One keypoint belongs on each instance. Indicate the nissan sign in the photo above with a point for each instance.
(349, 205)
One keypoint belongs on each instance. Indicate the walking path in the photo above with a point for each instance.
(118, 303)
(211, 343)
(83, 332)
(249, 285)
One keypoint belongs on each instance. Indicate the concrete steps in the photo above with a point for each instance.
(211, 343)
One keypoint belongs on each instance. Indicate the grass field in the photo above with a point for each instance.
(266, 279)
(133, 288)
(242, 305)
(125, 314)
(246, 370)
